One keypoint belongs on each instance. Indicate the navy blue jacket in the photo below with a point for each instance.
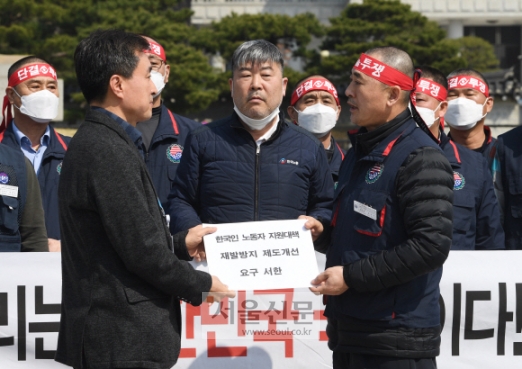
(392, 233)
(221, 178)
(12, 173)
(336, 160)
(509, 154)
(165, 151)
(48, 175)
(487, 149)
(476, 214)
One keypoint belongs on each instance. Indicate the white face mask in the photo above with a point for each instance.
(40, 106)
(159, 81)
(463, 113)
(428, 115)
(318, 119)
(257, 124)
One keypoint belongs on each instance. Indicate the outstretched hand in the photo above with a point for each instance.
(315, 226)
(330, 282)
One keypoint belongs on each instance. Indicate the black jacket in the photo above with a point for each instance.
(224, 178)
(392, 228)
(509, 185)
(121, 277)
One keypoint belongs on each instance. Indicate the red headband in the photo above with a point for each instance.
(464, 81)
(383, 73)
(156, 49)
(314, 84)
(31, 71)
(431, 88)
(21, 74)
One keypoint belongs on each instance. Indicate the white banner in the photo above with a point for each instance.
(482, 311)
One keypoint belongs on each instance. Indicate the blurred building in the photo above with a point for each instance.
(206, 11)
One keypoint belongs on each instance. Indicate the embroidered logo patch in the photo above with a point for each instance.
(459, 181)
(4, 178)
(374, 173)
(288, 161)
(174, 153)
(59, 168)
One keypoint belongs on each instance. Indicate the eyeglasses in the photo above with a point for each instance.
(156, 63)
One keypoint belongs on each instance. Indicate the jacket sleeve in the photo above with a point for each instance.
(424, 191)
(132, 223)
(489, 232)
(320, 194)
(183, 198)
(32, 223)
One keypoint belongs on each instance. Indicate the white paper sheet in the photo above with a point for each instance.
(262, 255)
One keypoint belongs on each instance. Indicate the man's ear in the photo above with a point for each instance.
(167, 73)
(285, 83)
(116, 86)
(394, 95)
(292, 113)
(443, 109)
(489, 104)
(11, 95)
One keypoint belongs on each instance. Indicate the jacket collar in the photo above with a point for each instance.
(97, 117)
(166, 126)
(54, 147)
(377, 144)
(451, 150)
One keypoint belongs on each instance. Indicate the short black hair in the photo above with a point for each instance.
(434, 74)
(31, 59)
(103, 54)
(468, 72)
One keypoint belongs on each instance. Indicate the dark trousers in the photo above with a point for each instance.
(345, 360)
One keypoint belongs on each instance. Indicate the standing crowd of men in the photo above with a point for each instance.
(125, 199)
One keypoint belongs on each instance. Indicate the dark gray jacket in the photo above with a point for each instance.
(122, 280)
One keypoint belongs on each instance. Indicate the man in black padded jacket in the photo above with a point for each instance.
(391, 227)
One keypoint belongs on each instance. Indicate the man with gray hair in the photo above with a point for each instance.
(252, 165)
(391, 229)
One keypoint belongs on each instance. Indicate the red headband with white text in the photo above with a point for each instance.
(464, 81)
(314, 84)
(156, 49)
(20, 75)
(382, 72)
(431, 88)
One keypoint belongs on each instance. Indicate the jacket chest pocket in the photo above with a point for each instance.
(369, 209)
(9, 214)
(463, 211)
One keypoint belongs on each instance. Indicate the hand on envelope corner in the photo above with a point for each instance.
(315, 226)
(330, 282)
(194, 241)
(218, 291)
